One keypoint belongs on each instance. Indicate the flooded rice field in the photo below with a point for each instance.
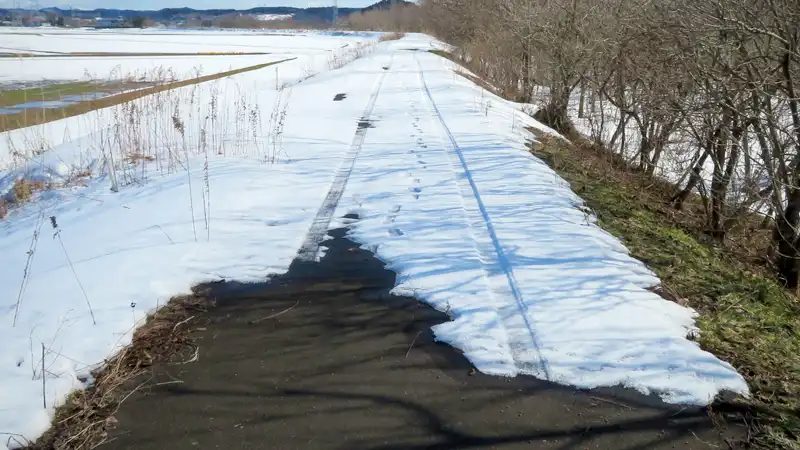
(20, 97)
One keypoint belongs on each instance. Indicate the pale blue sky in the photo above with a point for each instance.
(197, 4)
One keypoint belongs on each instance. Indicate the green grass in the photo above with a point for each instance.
(45, 93)
(745, 317)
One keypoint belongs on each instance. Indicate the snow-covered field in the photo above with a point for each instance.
(145, 68)
(446, 192)
(308, 46)
(169, 41)
(273, 16)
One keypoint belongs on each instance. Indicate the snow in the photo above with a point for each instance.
(447, 195)
(307, 46)
(144, 68)
(273, 16)
(171, 41)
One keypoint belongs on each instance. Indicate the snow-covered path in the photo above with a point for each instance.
(446, 193)
(449, 196)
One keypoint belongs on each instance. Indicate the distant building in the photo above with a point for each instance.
(77, 22)
(107, 22)
(32, 21)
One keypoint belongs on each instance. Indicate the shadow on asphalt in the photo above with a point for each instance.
(325, 357)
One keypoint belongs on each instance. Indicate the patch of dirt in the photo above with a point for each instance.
(86, 418)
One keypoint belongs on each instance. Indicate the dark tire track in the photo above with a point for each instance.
(319, 227)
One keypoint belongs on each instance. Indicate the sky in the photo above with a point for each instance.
(197, 4)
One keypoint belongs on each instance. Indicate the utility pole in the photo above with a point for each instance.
(335, 13)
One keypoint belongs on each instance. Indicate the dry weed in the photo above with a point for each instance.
(85, 419)
(391, 36)
(24, 189)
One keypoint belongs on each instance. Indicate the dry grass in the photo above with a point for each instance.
(137, 157)
(745, 316)
(83, 422)
(509, 94)
(339, 60)
(22, 191)
(391, 36)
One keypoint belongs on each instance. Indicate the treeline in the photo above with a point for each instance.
(401, 17)
(246, 21)
(702, 93)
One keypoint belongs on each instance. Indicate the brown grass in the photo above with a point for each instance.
(509, 95)
(21, 192)
(391, 36)
(138, 157)
(24, 189)
(84, 421)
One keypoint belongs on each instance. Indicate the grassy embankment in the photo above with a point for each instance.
(745, 316)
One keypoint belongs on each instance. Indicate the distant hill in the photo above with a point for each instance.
(316, 14)
(384, 4)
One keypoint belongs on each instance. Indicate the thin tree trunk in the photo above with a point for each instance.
(680, 198)
(785, 239)
(526, 74)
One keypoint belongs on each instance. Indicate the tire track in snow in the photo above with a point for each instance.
(319, 227)
(515, 316)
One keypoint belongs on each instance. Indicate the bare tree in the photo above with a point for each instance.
(705, 89)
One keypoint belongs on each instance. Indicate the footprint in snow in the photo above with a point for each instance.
(392, 214)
